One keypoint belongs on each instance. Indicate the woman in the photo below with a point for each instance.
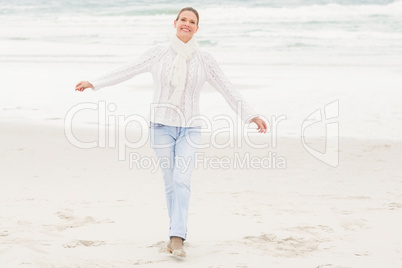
(179, 71)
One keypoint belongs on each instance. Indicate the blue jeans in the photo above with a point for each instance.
(175, 148)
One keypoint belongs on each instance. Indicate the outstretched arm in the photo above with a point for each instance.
(220, 82)
(142, 64)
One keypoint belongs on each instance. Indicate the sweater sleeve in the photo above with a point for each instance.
(220, 82)
(122, 73)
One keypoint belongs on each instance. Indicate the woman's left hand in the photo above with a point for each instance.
(262, 126)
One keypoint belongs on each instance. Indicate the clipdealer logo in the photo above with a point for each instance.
(112, 134)
(326, 118)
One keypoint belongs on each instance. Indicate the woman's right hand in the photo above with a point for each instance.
(81, 86)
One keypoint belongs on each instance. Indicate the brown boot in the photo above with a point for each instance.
(175, 246)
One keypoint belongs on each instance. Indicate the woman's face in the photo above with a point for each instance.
(186, 26)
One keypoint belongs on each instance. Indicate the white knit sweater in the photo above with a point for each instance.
(201, 67)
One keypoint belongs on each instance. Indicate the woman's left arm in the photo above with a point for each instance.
(220, 82)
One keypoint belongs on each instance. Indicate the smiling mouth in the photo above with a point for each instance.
(185, 30)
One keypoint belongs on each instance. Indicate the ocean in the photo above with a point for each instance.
(288, 58)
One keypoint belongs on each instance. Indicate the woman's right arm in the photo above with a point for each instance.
(140, 65)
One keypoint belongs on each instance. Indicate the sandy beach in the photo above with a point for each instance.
(328, 68)
(62, 206)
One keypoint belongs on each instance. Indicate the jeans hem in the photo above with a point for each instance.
(179, 234)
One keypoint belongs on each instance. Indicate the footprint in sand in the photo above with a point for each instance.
(161, 246)
(144, 262)
(70, 221)
(86, 243)
(330, 266)
(354, 225)
(394, 205)
(4, 233)
(282, 247)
